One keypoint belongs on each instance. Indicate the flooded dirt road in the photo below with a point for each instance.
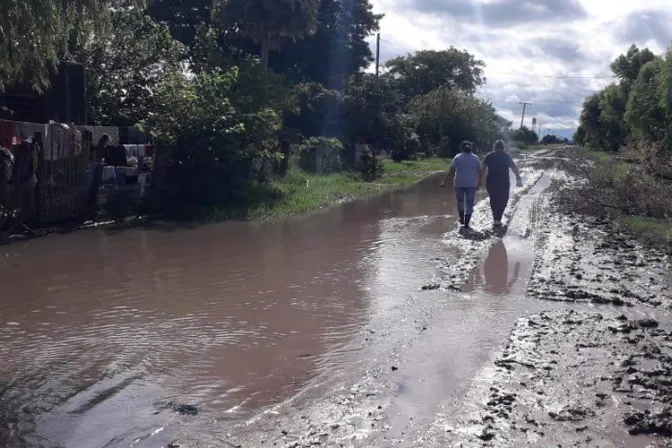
(372, 324)
(101, 331)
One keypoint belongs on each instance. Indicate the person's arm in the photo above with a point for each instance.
(484, 169)
(451, 173)
(515, 170)
(480, 174)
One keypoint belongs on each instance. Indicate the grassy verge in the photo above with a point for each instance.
(300, 192)
(633, 194)
(657, 233)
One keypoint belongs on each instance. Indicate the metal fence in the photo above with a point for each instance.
(48, 170)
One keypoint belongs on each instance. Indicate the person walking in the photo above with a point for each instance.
(496, 167)
(467, 170)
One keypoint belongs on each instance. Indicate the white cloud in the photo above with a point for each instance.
(520, 38)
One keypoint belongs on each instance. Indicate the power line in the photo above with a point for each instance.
(528, 75)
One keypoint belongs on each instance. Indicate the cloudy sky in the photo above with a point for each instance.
(530, 45)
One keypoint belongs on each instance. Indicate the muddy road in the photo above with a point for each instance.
(373, 324)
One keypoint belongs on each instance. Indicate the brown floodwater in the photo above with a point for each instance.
(101, 330)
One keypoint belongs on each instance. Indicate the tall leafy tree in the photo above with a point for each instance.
(268, 22)
(183, 17)
(36, 35)
(424, 71)
(125, 65)
(459, 115)
(613, 101)
(338, 48)
(627, 66)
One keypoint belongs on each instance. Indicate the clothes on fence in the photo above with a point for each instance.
(6, 165)
(24, 165)
(57, 144)
(9, 134)
(138, 155)
(137, 151)
(109, 174)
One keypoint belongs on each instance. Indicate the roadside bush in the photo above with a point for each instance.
(207, 146)
(371, 167)
(616, 188)
(444, 149)
(321, 155)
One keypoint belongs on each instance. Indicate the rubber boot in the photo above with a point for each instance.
(467, 219)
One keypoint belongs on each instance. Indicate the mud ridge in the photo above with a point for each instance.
(569, 378)
(585, 259)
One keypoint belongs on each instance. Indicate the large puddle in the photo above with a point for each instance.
(100, 331)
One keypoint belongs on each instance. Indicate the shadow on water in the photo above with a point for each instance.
(100, 330)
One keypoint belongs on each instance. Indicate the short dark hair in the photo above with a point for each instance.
(499, 145)
(466, 146)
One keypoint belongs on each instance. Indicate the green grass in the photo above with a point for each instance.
(654, 232)
(607, 161)
(597, 156)
(300, 192)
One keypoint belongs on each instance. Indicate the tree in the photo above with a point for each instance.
(207, 142)
(525, 136)
(370, 105)
(36, 36)
(590, 121)
(551, 139)
(125, 65)
(459, 115)
(268, 22)
(424, 71)
(613, 101)
(183, 17)
(579, 136)
(338, 48)
(627, 66)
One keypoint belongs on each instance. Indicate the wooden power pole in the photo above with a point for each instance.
(522, 119)
(377, 54)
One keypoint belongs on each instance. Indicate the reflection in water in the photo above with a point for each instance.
(499, 274)
(99, 330)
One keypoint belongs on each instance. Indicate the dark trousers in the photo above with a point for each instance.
(499, 199)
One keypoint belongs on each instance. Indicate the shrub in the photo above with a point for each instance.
(207, 143)
(371, 167)
(444, 149)
(321, 155)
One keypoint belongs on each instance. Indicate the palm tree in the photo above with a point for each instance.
(267, 22)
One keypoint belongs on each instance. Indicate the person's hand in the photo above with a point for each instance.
(443, 184)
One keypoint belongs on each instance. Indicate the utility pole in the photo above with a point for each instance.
(377, 54)
(522, 120)
(374, 150)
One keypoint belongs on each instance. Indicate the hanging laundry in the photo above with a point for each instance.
(137, 151)
(24, 169)
(6, 165)
(9, 135)
(109, 174)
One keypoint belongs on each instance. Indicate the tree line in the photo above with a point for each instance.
(631, 117)
(634, 111)
(220, 83)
